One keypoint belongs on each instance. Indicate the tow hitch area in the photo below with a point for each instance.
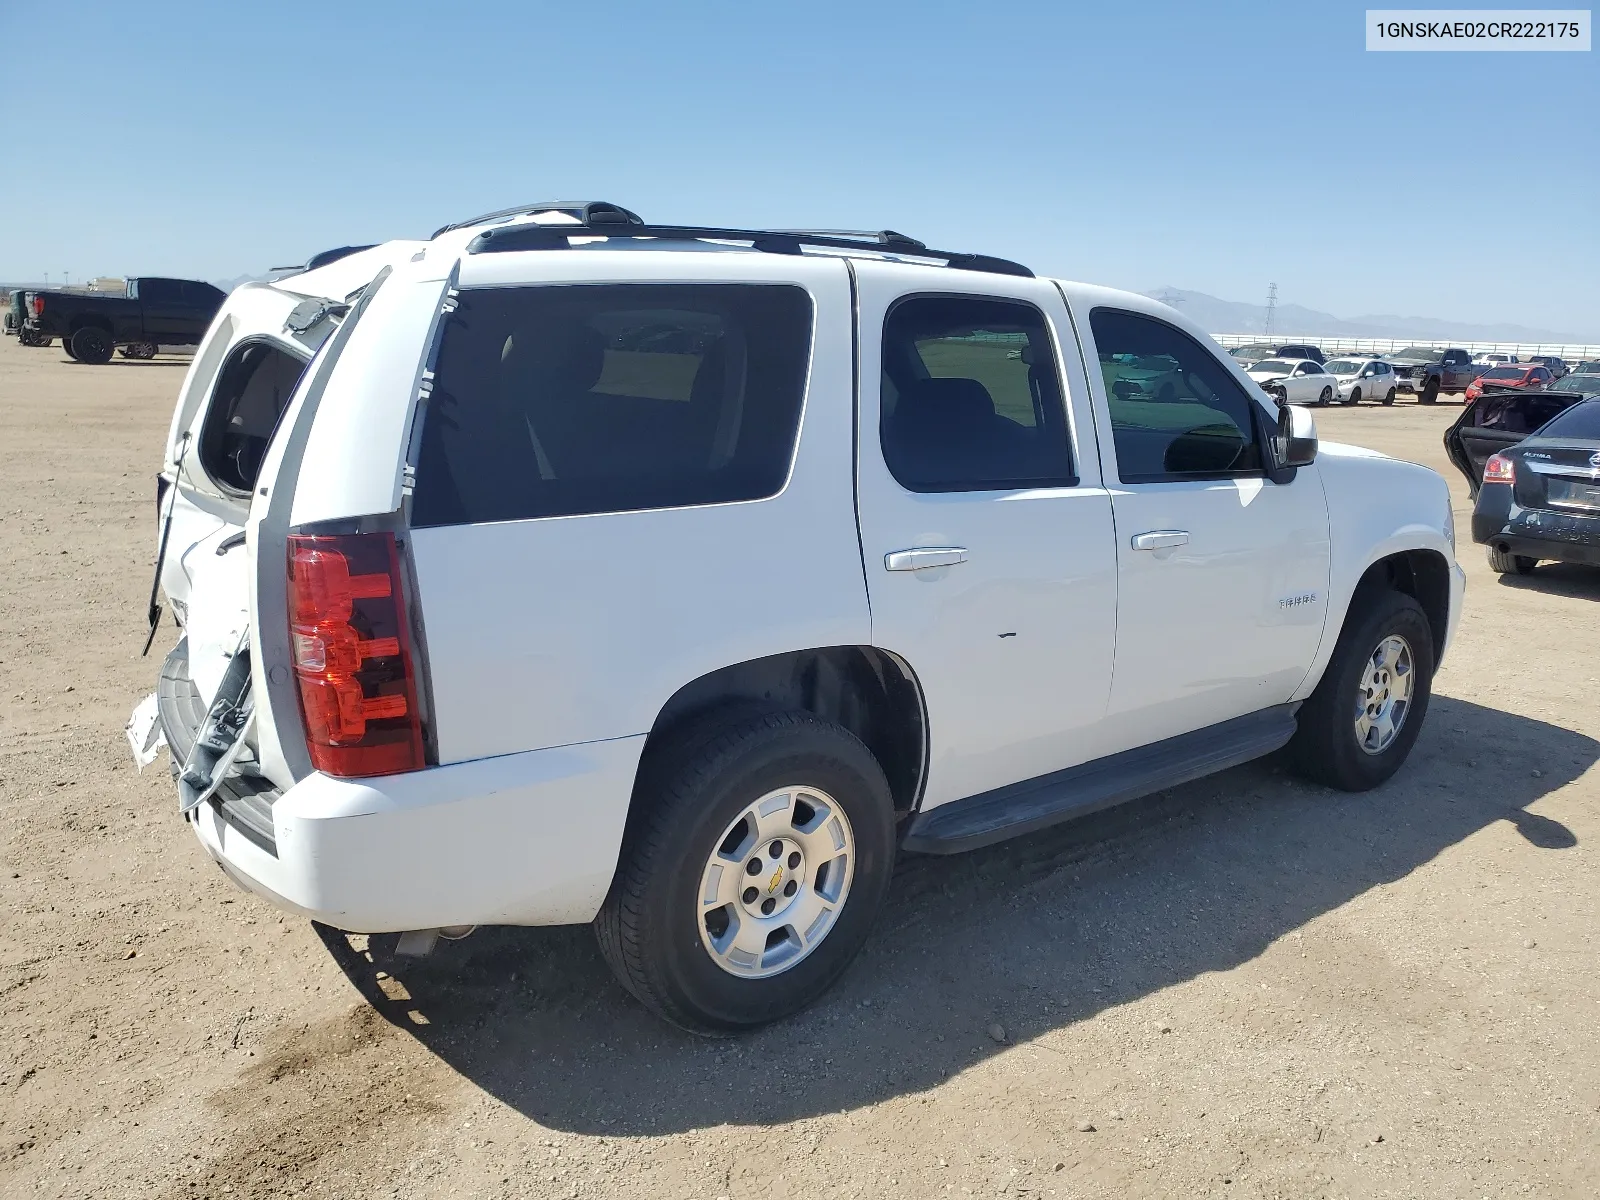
(223, 735)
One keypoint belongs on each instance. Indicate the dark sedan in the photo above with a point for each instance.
(1540, 498)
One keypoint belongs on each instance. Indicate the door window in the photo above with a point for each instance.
(554, 401)
(1176, 412)
(971, 397)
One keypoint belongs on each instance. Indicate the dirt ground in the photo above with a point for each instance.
(1245, 987)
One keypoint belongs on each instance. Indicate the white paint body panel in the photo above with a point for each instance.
(527, 839)
(1228, 623)
(1041, 568)
(569, 629)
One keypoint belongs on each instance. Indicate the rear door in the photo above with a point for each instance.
(986, 531)
(163, 308)
(1498, 420)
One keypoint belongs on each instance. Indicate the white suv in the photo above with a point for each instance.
(563, 568)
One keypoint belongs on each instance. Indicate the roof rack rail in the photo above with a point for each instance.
(770, 241)
(324, 258)
(587, 212)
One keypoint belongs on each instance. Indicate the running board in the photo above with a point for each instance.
(1019, 808)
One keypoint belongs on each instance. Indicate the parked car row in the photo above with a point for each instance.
(1295, 373)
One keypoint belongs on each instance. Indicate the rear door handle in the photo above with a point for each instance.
(924, 557)
(1161, 539)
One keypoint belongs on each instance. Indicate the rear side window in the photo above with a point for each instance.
(1176, 412)
(253, 389)
(558, 400)
(971, 397)
(1581, 421)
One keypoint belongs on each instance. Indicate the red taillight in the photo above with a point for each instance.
(38, 306)
(1499, 469)
(352, 655)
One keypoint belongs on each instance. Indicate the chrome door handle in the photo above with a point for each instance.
(1161, 539)
(924, 557)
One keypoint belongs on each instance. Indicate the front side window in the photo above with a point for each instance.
(971, 397)
(558, 400)
(1195, 422)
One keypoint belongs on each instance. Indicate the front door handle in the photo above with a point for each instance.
(1161, 539)
(924, 557)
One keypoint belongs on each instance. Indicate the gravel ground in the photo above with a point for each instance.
(1244, 987)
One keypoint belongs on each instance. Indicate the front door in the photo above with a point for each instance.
(985, 530)
(1223, 574)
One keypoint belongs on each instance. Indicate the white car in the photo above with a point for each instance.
(1294, 380)
(1494, 359)
(1358, 378)
(564, 569)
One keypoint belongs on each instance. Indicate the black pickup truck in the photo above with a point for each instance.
(152, 312)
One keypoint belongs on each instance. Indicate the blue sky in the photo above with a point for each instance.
(1206, 146)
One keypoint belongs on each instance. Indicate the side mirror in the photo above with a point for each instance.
(1296, 442)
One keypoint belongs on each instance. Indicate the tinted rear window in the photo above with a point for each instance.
(557, 400)
(1580, 421)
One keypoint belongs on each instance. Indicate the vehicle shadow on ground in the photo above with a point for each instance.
(1034, 935)
(1558, 579)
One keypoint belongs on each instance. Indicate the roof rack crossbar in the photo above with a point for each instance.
(771, 241)
(587, 211)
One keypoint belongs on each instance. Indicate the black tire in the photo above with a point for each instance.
(1326, 397)
(1325, 747)
(66, 348)
(1355, 397)
(92, 345)
(1430, 392)
(1388, 398)
(689, 792)
(1507, 563)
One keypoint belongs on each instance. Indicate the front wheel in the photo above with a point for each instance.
(1359, 725)
(757, 860)
(1326, 397)
(1389, 397)
(1505, 563)
(1430, 392)
(1355, 397)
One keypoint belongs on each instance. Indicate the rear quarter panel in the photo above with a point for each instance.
(560, 630)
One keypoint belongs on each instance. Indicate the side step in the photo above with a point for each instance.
(1019, 808)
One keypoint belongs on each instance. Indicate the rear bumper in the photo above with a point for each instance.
(523, 839)
(1497, 520)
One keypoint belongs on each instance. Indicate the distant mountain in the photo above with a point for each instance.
(1234, 316)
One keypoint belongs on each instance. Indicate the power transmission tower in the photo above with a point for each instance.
(1272, 306)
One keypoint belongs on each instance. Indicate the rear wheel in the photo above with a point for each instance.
(92, 345)
(752, 872)
(1389, 397)
(1504, 562)
(66, 348)
(1355, 397)
(1360, 724)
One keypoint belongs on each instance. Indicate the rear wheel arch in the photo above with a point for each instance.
(90, 321)
(868, 691)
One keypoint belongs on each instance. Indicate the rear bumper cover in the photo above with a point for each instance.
(523, 839)
(1497, 520)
